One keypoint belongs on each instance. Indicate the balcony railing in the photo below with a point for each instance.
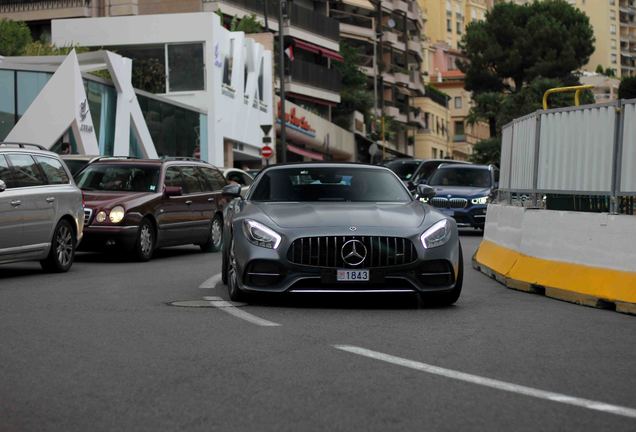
(315, 75)
(299, 16)
(9, 6)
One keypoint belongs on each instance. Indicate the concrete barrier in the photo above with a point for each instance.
(585, 258)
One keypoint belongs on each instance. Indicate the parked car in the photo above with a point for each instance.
(41, 214)
(426, 168)
(143, 204)
(254, 172)
(338, 228)
(404, 168)
(77, 162)
(464, 191)
(238, 176)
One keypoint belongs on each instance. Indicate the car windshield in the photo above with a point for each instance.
(460, 176)
(75, 165)
(403, 169)
(125, 178)
(354, 184)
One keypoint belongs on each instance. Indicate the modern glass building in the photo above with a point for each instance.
(176, 129)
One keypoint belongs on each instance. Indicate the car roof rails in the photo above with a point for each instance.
(24, 145)
(180, 158)
(100, 158)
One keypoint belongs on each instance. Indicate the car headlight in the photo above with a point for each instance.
(117, 214)
(480, 200)
(436, 235)
(100, 217)
(260, 235)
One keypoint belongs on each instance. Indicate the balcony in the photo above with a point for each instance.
(314, 75)
(415, 44)
(417, 119)
(300, 17)
(35, 10)
(400, 5)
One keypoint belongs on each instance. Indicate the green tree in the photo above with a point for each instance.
(354, 95)
(247, 24)
(487, 152)
(516, 44)
(627, 88)
(14, 36)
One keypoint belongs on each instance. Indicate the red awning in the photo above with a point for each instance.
(306, 153)
(306, 46)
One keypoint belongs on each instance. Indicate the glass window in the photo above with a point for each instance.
(403, 169)
(193, 181)
(459, 128)
(5, 172)
(185, 67)
(29, 86)
(458, 102)
(173, 177)
(25, 171)
(53, 170)
(460, 176)
(149, 66)
(214, 178)
(7, 102)
(352, 184)
(247, 180)
(126, 178)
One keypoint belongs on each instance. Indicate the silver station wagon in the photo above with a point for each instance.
(41, 212)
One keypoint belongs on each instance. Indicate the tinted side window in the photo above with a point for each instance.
(53, 170)
(25, 171)
(5, 172)
(173, 177)
(214, 177)
(247, 180)
(192, 180)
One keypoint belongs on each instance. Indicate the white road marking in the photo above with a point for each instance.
(211, 283)
(228, 307)
(492, 383)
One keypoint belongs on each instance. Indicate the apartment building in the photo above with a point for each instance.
(627, 18)
(388, 36)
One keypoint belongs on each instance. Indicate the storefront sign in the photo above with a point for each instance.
(299, 123)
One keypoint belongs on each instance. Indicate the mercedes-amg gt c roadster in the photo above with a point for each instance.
(338, 228)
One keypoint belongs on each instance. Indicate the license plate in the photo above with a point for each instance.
(353, 276)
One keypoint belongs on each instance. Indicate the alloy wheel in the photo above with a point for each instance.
(145, 239)
(64, 245)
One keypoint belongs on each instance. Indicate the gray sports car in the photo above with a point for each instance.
(338, 228)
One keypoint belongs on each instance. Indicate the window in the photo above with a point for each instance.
(458, 102)
(613, 44)
(5, 173)
(434, 153)
(53, 170)
(173, 177)
(25, 171)
(228, 63)
(7, 103)
(612, 2)
(193, 181)
(612, 28)
(124, 177)
(459, 130)
(185, 67)
(459, 27)
(449, 25)
(215, 178)
(613, 58)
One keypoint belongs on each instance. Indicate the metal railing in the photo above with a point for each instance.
(9, 6)
(315, 75)
(576, 158)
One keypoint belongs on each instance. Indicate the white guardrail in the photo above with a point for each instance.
(588, 150)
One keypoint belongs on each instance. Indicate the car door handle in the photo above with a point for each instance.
(50, 199)
(188, 202)
(16, 203)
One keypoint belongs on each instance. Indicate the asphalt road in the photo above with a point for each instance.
(101, 349)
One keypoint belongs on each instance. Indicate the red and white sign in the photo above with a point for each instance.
(267, 152)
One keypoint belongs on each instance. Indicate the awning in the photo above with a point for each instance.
(325, 52)
(362, 4)
(306, 153)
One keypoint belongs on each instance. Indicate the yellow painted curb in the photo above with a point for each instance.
(567, 281)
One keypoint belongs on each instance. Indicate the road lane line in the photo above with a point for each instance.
(228, 307)
(211, 282)
(492, 383)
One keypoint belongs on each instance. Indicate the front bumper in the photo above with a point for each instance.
(473, 216)
(267, 270)
(104, 237)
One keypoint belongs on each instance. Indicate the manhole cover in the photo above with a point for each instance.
(205, 303)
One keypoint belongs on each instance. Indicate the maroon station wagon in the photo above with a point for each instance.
(143, 204)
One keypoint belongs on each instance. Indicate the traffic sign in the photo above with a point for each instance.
(266, 128)
(267, 140)
(267, 152)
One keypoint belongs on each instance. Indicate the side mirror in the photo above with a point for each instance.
(3, 186)
(173, 191)
(425, 191)
(231, 191)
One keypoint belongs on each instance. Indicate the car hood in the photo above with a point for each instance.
(95, 199)
(298, 215)
(462, 191)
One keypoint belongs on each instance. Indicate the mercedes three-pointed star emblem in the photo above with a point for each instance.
(353, 252)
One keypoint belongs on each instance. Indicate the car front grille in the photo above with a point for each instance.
(441, 202)
(328, 251)
(87, 216)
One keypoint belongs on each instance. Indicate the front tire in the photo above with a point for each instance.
(145, 243)
(449, 297)
(215, 239)
(62, 252)
(233, 290)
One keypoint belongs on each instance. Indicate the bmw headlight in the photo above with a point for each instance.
(480, 200)
(117, 214)
(260, 235)
(436, 235)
